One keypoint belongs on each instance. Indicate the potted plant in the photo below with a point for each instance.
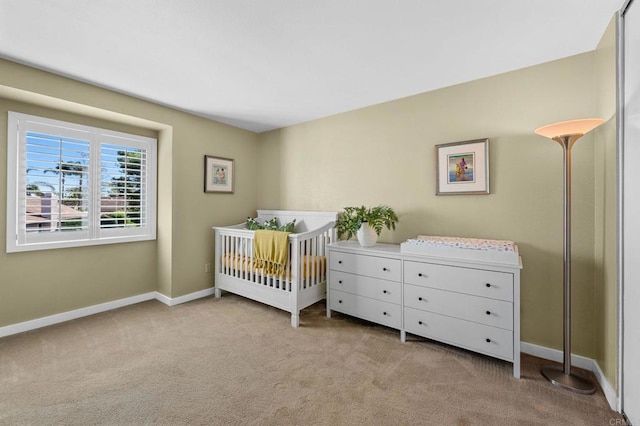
(366, 223)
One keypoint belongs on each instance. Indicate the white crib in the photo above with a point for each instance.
(305, 277)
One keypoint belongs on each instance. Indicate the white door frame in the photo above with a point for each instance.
(626, 226)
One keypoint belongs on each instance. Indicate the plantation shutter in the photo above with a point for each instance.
(53, 195)
(72, 185)
(123, 184)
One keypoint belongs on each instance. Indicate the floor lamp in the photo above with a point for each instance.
(566, 133)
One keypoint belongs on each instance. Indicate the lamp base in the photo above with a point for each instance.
(574, 382)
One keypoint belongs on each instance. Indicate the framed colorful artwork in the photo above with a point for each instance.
(218, 174)
(462, 167)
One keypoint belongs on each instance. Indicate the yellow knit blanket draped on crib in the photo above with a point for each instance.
(271, 251)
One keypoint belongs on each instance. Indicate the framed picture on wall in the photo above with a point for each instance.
(462, 167)
(218, 174)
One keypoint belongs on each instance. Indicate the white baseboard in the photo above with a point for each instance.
(607, 389)
(184, 299)
(71, 315)
(102, 307)
(556, 355)
(577, 361)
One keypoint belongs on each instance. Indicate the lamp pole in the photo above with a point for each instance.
(566, 133)
(563, 377)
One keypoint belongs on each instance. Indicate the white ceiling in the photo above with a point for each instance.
(265, 64)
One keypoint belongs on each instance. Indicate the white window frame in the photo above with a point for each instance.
(17, 240)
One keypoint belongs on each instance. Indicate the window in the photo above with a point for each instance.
(71, 185)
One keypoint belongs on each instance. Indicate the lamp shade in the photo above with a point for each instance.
(571, 127)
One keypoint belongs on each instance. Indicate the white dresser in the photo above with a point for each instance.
(467, 303)
(366, 282)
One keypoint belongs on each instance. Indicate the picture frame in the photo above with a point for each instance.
(462, 168)
(218, 174)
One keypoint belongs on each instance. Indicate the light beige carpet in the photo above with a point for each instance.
(234, 361)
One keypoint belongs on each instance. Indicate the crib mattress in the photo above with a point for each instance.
(312, 266)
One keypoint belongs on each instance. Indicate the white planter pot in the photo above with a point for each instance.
(367, 236)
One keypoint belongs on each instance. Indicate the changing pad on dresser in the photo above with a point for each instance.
(499, 251)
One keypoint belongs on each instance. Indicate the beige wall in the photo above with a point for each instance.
(37, 284)
(385, 154)
(606, 294)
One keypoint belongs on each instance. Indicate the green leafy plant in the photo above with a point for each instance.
(270, 225)
(377, 217)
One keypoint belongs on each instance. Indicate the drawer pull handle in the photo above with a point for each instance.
(420, 299)
(340, 262)
(385, 314)
(488, 285)
(385, 291)
(339, 301)
(488, 340)
(420, 322)
(385, 269)
(419, 274)
(488, 312)
(340, 282)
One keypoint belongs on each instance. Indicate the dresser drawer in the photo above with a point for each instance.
(373, 310)
(387, 291)
(478, 282)
(469, 335)
(496, 313)
(371, 266)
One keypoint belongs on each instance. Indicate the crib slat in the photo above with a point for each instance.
(287, 279)
(315, 261)
(303, 249)
(242, 256)
(252, 274)
(319, 259)
(301, 266)
(234, 258)
(226, 250)
(222, 254)
(236, 271)
(290, 268)
(310, 261)
(311, 266)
